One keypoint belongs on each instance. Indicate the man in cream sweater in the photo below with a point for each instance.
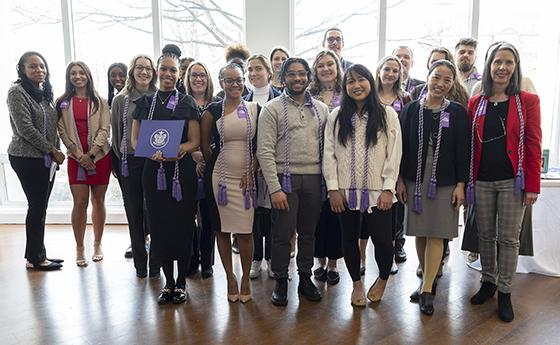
(289, 149)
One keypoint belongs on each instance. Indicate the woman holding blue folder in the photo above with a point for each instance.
(170, 182)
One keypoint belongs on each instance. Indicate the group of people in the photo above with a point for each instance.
(331, 152)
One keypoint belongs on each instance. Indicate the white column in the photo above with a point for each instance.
(156, 27)
(474, 19)
(382, 29)
(68, 30)
(269, 23)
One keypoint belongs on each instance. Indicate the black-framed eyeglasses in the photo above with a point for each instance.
(230, 82)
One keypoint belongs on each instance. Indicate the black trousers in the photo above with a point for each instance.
(379, 226)
(328, 236)
(261, 230)
(203, 240)
(34, 179)
(305, 205)
(398, 224)
(135, 208)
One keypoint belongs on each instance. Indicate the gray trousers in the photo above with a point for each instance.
(303, 215)
(497, 200)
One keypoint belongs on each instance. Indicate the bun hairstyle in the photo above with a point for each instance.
(172, 51)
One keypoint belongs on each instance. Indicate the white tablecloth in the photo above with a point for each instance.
(546, 233)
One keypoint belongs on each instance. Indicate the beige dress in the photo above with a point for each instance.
(234, 218)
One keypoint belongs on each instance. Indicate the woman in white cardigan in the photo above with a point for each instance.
(360, 131)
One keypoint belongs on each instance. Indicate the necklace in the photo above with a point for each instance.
(164, 100)
(327, 88)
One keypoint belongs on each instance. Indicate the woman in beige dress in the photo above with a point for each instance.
(231, 125)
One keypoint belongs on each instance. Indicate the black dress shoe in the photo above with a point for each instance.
(166, 295)
(308, 289)
(400, 254)
(320, 274)
(426, 303)
(333, 277)
(415, 296)
(50, 266)
(58, 261)
(505, 309)
(179, 295)
(207, 273)
(487, 290)
(128, 253)
(280, 292)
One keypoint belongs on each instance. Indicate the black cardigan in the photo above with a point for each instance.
(453, 163)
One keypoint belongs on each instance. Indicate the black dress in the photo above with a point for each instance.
(171, 222)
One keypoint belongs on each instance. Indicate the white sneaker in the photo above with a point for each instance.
(269, 269)
(255, 269)
(394, 268)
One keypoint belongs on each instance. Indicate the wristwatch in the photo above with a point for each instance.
(92, 156)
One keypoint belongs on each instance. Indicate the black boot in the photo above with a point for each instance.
(308, 289)
(280, 292)
(505, 309)
(487, 290)
(427, 303)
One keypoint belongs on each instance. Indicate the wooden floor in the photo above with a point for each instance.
(106, 304)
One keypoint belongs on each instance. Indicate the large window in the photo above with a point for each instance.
(357, 19)
(107, 31)
(423, 25)
(537, 43)
(203, 28)
(28, 25)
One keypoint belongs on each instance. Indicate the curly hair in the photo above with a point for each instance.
(237, 50)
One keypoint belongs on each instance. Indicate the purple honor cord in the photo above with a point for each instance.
(353, 196)
(286, 177)
(161, 179)
(432, 184)
(47, 159)
(250, 185)
(519, 181)
(222, 186)
(286, 182)
(124, 145)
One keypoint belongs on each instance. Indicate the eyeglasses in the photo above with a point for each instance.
(141, 68)
(201, 76)
(496, 137)
(292, 75)
(230, 82)
(334, 39)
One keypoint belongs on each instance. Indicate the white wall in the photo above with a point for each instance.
(271, 19)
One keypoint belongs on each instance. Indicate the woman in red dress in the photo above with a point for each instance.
(83, 126)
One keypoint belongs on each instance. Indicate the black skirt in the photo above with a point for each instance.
(171, 222)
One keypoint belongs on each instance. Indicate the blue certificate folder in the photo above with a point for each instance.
(162, 135)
